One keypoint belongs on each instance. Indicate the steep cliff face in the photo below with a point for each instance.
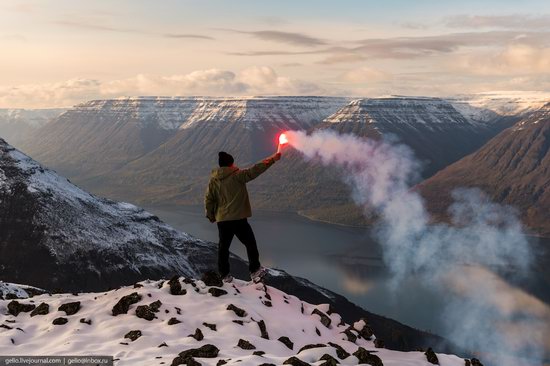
(513, 167)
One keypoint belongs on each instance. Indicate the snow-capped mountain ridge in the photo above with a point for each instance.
(165, 321)
(411, 111)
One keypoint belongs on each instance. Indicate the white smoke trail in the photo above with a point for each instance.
(481, 233)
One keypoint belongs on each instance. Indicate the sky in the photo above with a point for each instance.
(58, 53)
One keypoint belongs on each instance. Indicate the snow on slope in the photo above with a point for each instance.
(411, 111)
(256, 112)
(202, 316)
(31, 117)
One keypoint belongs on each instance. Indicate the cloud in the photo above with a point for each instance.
(292, 38)
(365, 75)
(257, 80)
(515, 59)
(512, 21)
(342, 58)
(106, 28)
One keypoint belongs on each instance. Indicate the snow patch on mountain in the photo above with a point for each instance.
(31, 117)
(503, 103)
(164, 321)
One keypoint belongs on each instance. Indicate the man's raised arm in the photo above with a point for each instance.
(246, 175)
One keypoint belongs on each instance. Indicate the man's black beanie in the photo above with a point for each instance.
(224, 159)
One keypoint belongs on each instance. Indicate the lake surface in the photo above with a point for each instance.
(343, 259)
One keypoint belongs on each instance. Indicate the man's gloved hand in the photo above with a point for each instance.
(276, 156)
(211, 219)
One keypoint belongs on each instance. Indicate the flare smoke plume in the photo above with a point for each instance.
(482, 238)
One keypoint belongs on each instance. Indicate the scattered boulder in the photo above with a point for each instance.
(173, 321)
(325, 320)
(145, 312)
(155, 306)
(163, 344)
(138, 285)
(221, 362)
(263, 329)
(295, 361)
(175, 286)
(70, 308)
(245, 345)
(8, 327)
(240, 322)
(211, 278)
(133, 335)
(123, 305)
(365, 356)
(238, 311)
(217, 292)
(378, 343)
(206, 351)
(192, 362)
(15, 307)
(340, 351)
(41, 309)
(267, 303)
(210, 326)
(365, 331)
(287, 342)
(258, 353)
(86, 321)
(197, 335)
(267, 364)
(472, 362)
(350, 335)
(431, 356)
(310, 346)
(60, 321)
(317, 331)
(329, 360)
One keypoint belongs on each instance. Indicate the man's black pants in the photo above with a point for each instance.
(242, 230)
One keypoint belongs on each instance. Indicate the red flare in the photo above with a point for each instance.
(283, 139)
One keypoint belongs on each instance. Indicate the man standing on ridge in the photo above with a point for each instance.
(227, 203)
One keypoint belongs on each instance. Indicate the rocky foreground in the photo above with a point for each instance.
(193, 322)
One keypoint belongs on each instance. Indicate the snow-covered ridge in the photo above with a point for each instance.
(183, 112)
(31, 117)
(541, 115)
(412, 111)
(166, 322)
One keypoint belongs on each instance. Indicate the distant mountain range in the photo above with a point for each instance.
(17, 124)
(513, 168)
(155, 150)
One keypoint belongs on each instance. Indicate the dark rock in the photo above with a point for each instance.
(133, 335)
(144, 312)
(163, 344)
(238, 311)
(173, 321)
(365, 332)
(217, 292)
(124, 303)
(245, 344)
(221, 362)
(295, 361)
(155, 306)
(192, 362)
(240, 322)
(267, 364)
(476, 362)
(41, 309)
(178, 310)
(329, 360)
(211, 326)
(5, 326)
(431, 356)
(325, 320)
(138, 285)
(206, 351)
(263, 329)
(12, 296)
(175, 286)
(211, 278)
(15, 307)
(365, 356)
(86, 321)
(70, 308)
(340, 351)
(267, 303)
(59, 321)
(310, 346)
(317, 331)
(287, 342)
(258, 353)
(197, 335)
(378, 343)
(351, 336)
